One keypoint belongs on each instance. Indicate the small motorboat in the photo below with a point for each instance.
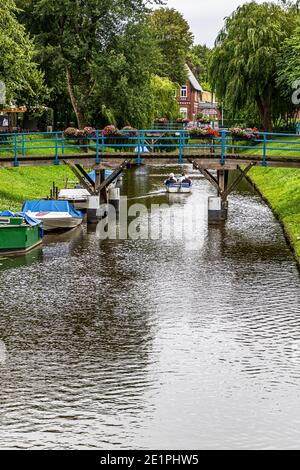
(181, 185)
(77, 196)
(184, 188)
(19, 233)
(54, 215)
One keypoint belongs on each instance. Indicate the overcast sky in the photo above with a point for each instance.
(206, 17)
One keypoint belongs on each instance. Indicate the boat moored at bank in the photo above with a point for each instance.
(54, 215)
(19, 233)
(78, 197)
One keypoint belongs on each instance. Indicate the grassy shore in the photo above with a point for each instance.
(280, 187)
(20, 184)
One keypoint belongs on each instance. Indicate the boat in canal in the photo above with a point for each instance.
(179, 188)
(54, 215)
(175, 188)
(78, 197)
(19, 233)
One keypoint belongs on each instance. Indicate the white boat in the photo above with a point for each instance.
(54, 215)
(183, 188)
(77, 197)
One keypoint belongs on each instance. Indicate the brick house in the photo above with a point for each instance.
(193, 100)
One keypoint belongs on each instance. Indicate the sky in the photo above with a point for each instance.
(206, 17)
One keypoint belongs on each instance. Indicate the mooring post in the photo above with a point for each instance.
(218, 206)
(100, 178)
(223, 178)
(95, 211)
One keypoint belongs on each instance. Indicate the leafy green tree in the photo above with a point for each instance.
(164, 102)
(243, 65)
(79, 41)
(198, 59)
(289, 63)
(124, 91)
(175, 40)
(18, 70)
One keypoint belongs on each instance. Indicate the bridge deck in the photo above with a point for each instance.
(151, 147)
(206, 159)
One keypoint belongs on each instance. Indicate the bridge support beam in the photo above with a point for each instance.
(218, 206)
(98, 205)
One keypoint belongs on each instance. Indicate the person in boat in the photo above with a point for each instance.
(171, 180)
(185, 180)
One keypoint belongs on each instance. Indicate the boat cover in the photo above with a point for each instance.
(52, 206)
(28, 219)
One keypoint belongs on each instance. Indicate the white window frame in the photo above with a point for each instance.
(184, 91)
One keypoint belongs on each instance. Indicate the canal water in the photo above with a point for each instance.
(191, 342)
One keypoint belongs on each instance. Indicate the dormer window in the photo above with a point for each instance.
(183, 92)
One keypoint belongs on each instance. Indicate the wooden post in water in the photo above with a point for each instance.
(95, 203)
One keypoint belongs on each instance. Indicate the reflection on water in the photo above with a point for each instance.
(155, 344)
(12, 261)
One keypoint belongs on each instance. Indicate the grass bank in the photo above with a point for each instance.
(19, 184)
(280, 187)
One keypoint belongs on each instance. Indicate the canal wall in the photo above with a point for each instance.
(280, 189)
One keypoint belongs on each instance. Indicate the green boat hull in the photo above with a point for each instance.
(19, 239)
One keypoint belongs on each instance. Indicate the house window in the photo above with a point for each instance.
(184, 113)
(183, 92)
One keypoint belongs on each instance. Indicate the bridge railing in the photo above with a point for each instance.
(175, 144)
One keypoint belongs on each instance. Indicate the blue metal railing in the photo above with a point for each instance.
(177, 144)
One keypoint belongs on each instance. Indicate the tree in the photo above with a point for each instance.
(164, 102)
(198, 59)
(243, 65)
(77, 40)
(18, 70)
(289, 63)
(175, 39)
(124, 91)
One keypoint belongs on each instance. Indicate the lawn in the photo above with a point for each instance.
(19, 184)
(281, 187)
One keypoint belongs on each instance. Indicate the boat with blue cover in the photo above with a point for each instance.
(54, 215)
(19, 233)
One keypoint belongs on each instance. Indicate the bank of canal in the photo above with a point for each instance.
(186, 343)
(280, 188)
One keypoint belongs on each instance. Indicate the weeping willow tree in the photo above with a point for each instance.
(243, 65)
(164, 102)
(289, 62)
